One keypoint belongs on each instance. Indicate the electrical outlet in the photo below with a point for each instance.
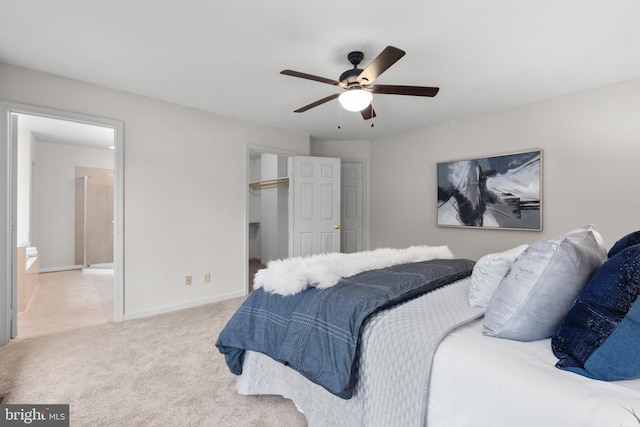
(207, 277)
(187, 280)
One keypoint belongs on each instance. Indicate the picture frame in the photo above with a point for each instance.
(501, 192)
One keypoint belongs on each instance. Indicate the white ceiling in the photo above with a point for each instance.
(225, 56)
(47, 129)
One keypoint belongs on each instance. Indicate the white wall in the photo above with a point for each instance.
(54, 199)
(591, 144)
(25, 152)
(184, 187)
(346, 150)
(274, 217)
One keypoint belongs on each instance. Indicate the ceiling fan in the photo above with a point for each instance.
(359, 83)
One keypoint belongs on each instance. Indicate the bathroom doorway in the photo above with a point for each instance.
(27, 230)
(65, 200)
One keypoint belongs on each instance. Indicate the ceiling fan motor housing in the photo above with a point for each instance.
(350, 77)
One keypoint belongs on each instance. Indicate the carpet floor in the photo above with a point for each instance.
(157, 371)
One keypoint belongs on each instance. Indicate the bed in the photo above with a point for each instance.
(443, 357)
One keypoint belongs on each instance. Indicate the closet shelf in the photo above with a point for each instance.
(270, 182)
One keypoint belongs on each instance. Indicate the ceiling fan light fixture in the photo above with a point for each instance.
(355, 99)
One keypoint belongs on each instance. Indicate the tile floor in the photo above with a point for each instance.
(67, 300)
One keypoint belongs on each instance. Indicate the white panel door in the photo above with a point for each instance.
(352, 207)
(316, 205)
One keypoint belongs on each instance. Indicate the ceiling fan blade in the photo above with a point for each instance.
(312, 77)
(315, 104)
(404, 90)
(389, 56)
(368, 113)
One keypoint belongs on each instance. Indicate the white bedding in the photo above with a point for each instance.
(475, 381)
(483, 381)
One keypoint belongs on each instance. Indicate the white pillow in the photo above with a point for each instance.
(596, 235)
(538, 290)
(487, 274)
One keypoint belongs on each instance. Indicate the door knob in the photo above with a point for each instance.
(337, 227)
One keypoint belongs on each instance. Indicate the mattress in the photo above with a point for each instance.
(482, 381)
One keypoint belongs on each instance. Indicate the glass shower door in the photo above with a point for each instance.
(94, 221)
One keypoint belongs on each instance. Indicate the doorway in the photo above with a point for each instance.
(268, 209)
(24, 228)
(64, 224)
(293, 206)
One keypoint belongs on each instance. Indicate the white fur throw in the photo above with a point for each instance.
(292, 275)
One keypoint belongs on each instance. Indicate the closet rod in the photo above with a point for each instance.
(268, 183)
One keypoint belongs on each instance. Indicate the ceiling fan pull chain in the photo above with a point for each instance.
(372, 116)
(339, 117)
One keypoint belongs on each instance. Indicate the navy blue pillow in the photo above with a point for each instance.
(600, 337)
(628, 240)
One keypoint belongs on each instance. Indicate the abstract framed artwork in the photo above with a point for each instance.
(499, 192)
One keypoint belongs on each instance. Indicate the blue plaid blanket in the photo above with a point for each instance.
(316, 331)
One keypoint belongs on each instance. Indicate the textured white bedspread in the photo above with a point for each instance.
(397, 347)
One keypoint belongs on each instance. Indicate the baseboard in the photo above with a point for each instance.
(98, 270)
(181, 306)
(53, 269)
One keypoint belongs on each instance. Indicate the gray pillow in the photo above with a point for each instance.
(541, 285)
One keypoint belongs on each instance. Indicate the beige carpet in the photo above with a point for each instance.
(158, 371)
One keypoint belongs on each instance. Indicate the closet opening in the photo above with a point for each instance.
(268, 208)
